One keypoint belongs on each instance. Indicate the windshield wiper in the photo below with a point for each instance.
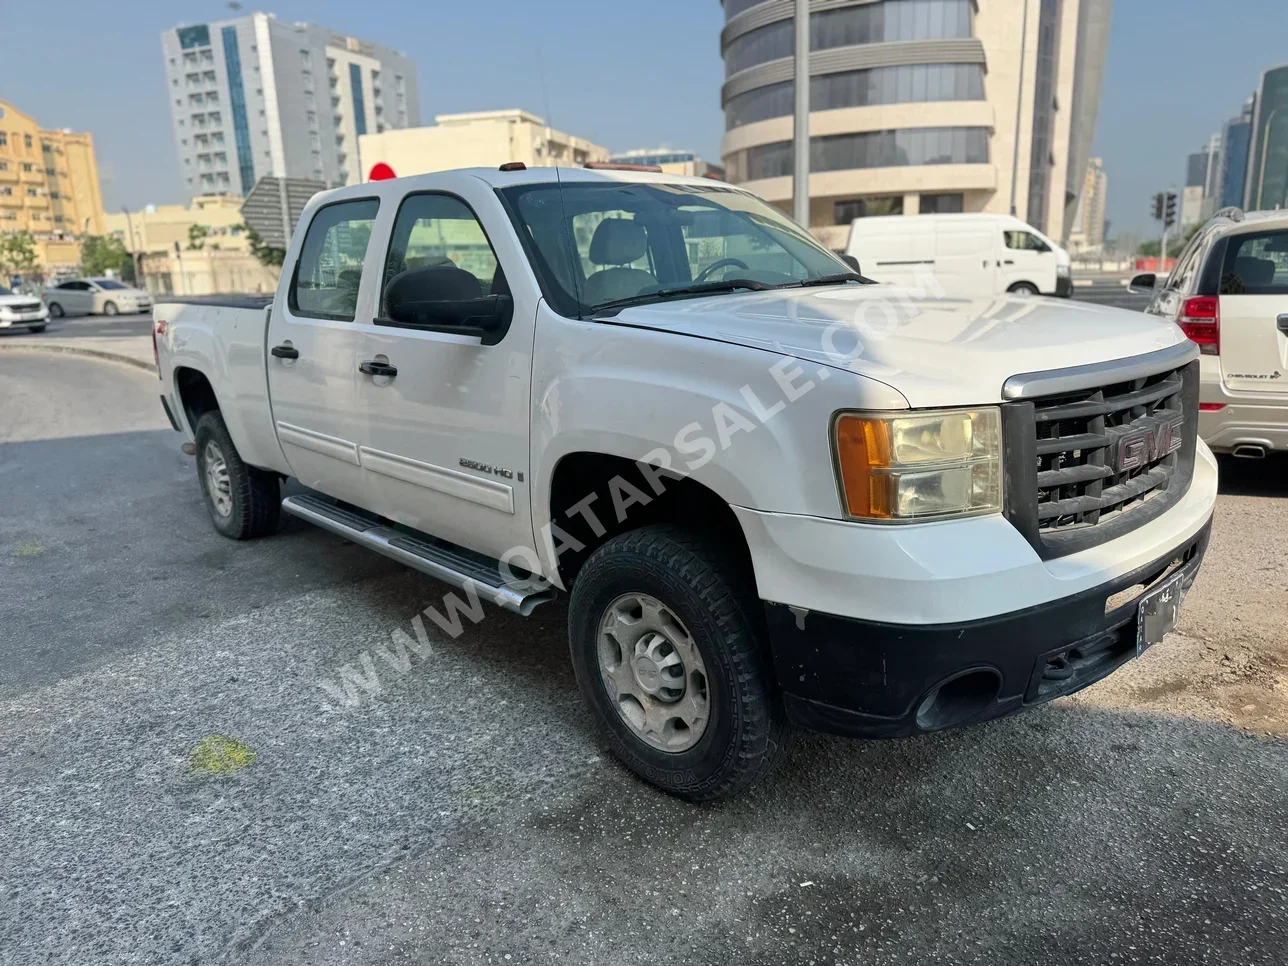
(836, 279)
(706, 288)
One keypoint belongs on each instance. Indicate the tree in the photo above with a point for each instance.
(268, 257)
(101, 254)
(17, 254)
(197, 235)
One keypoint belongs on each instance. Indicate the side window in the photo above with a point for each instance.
(1025, 241)
(330, 267)
(1182, 276)
(441, 231)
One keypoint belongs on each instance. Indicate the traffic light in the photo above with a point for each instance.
(1170, 210)
(1157, 209)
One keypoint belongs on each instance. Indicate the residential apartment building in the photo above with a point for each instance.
(1087, 233)
(918, 106)
(48, 187)
(671, 162)
(1267, 184)
(256, 96)
(483, 139)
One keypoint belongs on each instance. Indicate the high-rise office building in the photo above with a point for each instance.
(257, 96)
(919, 106)
(1087, 233)
(1267, 185)
(1236, 139)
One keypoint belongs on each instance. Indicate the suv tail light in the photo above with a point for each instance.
(1200, 320)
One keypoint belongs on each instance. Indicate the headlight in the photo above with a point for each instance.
(919, 465)
(1062, 269)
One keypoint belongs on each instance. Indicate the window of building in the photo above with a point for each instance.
(872, 23)
(55, 195)
(6, 191)
(4, 140)
(26, 141)
(329, 269)
(28, 167)
(868, 149)
(845, 212)
(33, 193)
(4, 165)
(945, 204)
(51, 173)
(195, 36)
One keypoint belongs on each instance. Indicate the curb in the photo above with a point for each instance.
(80, 351)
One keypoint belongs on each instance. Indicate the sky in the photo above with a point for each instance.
(625, 75)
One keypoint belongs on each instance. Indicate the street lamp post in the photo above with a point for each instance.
(800, 172)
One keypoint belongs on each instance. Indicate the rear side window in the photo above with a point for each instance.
(329, 271)
(1256, 264)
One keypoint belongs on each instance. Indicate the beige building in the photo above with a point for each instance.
(1087, 233)
(918, 106)
(48, 187)
(484, 139)
(172, 258)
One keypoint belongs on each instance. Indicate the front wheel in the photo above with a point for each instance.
(1023, 288)
(109, 308)
(243, 502)
(669, 650)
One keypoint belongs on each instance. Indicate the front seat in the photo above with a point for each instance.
(617, 242)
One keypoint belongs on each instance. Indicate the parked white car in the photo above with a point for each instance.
(22, 311)
(95, 296)
(659, 395)
(967, 255)
(1229, 294)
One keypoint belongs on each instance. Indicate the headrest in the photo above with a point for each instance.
(618, 241)
(1255, 272)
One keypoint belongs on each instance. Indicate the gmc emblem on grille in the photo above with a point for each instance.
(1149, 444)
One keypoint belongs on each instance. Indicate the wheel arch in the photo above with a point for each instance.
(196, 394)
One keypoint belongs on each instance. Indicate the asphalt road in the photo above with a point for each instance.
(91, 325)
(1108, 291)
(464, 813)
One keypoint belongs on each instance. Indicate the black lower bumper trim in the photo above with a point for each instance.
(877, 680)
(1063, 286)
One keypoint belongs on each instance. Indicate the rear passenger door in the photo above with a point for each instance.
(1254, 312)
(444, 441)
(312, 343)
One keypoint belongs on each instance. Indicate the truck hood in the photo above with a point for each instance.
(935, 351)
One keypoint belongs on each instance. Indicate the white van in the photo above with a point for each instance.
(970, 255)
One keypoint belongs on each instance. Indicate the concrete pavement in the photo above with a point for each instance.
(462, 811)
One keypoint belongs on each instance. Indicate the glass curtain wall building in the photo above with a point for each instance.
(914, 104)
(1268, 158)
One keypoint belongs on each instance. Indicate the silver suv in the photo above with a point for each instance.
(1229, 293)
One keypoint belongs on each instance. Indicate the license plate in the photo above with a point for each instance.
(1159, 610)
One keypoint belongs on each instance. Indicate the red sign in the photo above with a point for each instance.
(381, 172)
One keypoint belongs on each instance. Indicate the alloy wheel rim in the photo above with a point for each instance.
(217, 483)
(653, 673)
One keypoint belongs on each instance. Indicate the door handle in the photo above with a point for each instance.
(1009, 261)
(285, 352)
(378, 369)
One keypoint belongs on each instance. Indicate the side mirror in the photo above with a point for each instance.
(444, 298)
(1143, 284)
(853, 263)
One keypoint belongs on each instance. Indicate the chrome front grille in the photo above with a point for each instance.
(1100, 454)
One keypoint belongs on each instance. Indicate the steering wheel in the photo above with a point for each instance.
(723, 263)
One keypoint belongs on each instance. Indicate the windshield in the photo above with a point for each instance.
(108, 283)
(599, 243)
(5, 291)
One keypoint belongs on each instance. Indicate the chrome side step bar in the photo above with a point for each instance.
(437, 558)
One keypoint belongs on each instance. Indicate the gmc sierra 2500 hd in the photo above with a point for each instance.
(776, 493)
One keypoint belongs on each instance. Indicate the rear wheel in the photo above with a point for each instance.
(243, 502)
(56, 310)
(1023, 288)
(109, 308)
(669, 650)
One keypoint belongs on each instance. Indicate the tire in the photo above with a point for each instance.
(109, 308)
(1024, 288)
(718, 617)
(56, 310)
(35, 328)
(243, 502)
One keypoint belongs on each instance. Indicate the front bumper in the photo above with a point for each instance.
(872, 679)
(1063, 286)
(27, 319)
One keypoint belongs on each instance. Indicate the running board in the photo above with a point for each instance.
(437, 558)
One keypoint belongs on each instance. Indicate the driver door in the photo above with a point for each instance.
(1027, 258)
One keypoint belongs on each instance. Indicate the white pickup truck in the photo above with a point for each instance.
(776, 493)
